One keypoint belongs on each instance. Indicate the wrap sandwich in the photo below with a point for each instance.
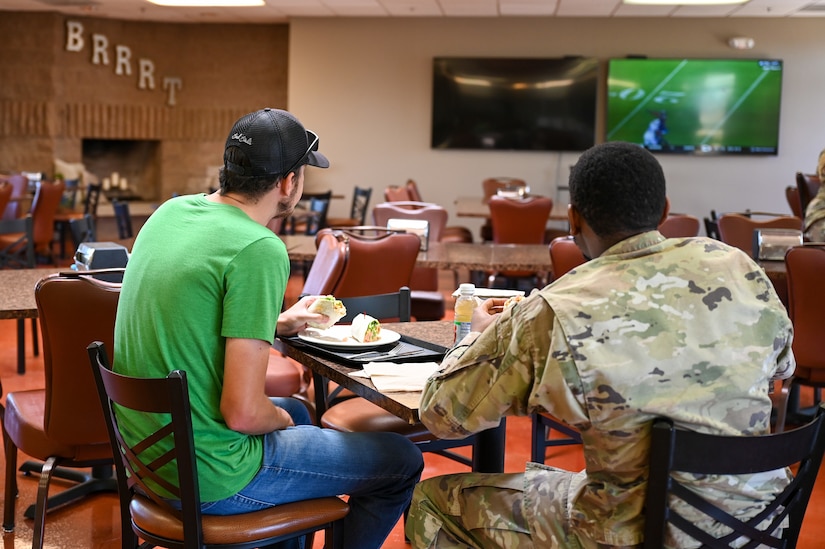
(365, 328)
(329, 306)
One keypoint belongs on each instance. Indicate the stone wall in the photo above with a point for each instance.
(67, 79)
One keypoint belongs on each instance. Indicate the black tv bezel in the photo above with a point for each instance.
(436, 141)
(730, 150)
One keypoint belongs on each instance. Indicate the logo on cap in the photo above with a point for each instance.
(242, 138)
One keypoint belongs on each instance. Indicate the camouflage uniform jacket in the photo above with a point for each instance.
(815, 217)
(690, 329)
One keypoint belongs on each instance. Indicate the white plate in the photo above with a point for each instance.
(339, 337)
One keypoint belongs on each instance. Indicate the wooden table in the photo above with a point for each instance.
(475, 206)
(17, 302)
(453, 255)
(490, 458)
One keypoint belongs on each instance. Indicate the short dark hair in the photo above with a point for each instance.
(618, 188)
(251, 186)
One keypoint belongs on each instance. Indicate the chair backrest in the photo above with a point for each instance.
(806, 307)
(394, 193)
(18, 250)
(492, 185)
(434, 214)
(328, 265)
(565, 255)
(162, 397)
(44, 208)
(74, 309)
(123, 219)
(393, 306)
(19, 184)
(792, 196)
(92, 199)
(519, 221)
(376, 261)
(5, 194)
(808, 185)
(83, 229)
(737, 229)
(360, 204)
(681, 225)
(674, 450)
(412, 191)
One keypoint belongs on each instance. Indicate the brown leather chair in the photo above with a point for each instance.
(737, 229)
(565, 255)
(44, 207)
(375, 261)
(519, 221)
(792, 196)
(679, 226)
(5, 194)
(412, 191)
(427, 300)
(19, 184)
(808, 185)
(145, 513)
(393, 193)
(806, 307)
(62, 424)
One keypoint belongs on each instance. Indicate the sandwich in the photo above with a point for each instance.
(365, 328)
(329, 306)
(513, 301)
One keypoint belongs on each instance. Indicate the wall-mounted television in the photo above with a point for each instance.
(695, 106)
(528, 104)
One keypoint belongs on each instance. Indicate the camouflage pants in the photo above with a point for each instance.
(481, 511)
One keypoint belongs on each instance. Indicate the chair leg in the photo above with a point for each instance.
(101, 480)
(40, 505)
(11, 483)
(35, 341)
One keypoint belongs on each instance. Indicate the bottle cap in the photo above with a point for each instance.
(467, 289)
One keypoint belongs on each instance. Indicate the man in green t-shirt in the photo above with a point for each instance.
(202, 292)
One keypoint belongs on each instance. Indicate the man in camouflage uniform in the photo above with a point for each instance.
(815, 212)
(690, 329)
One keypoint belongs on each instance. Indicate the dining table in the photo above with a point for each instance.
(17, 302)
(489, 456)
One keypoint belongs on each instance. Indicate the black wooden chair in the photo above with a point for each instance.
(146, 513)
(673, 450)
(123, 219)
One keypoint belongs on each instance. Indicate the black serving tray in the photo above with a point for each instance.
(413, 350)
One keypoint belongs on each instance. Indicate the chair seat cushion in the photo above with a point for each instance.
(267, 523)
(283, 375)
(358, 415)
(23, 422)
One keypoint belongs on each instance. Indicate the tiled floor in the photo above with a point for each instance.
(95, 523)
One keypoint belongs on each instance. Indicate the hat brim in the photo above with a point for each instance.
(314, 158)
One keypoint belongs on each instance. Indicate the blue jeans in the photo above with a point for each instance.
(377, 470)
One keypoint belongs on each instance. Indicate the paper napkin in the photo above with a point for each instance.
(398, 377)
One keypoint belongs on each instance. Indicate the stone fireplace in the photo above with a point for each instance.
(136, 164)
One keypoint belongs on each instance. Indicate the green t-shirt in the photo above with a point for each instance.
(199, 273)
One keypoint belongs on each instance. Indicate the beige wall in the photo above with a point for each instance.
(51, 98)
(364, 85)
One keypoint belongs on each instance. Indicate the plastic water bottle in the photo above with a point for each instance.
(464, 305)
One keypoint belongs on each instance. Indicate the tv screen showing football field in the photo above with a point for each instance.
(695, 106)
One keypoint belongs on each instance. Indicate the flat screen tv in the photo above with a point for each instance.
(514, 103)
(695, 106)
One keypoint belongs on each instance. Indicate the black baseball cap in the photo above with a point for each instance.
(275, 143)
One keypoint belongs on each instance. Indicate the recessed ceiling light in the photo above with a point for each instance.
(684, 2)
(208, 3)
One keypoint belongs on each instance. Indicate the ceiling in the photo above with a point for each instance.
(280, 11)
